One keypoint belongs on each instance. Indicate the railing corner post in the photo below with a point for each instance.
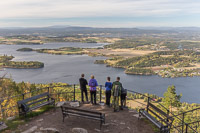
(100, 92)
(74, 92)
(186, 128)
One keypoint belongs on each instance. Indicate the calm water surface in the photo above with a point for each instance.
(67, 68)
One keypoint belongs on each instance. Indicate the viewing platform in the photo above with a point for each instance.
(124, 121)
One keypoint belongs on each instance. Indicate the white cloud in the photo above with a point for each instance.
(95, 8)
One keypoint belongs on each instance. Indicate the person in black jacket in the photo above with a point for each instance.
(83, 83)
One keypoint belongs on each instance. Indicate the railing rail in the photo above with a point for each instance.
(185, 127)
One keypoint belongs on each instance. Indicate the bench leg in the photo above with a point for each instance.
(64, 117)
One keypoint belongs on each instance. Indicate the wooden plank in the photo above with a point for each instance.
(83, 110)
(158, 110)
(43, 99)
(33, 98)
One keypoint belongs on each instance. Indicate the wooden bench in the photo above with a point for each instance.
(32, 103)
(158, 117)
(67, 111)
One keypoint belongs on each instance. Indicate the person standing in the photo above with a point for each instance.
(83, 83)
(116, 93)
(108, 86)
(123, 97)
(93, 84)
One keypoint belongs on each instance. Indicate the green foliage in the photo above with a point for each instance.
(139, 71)
(25, 49)
(171, 98)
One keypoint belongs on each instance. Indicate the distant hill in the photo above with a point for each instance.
(58, 30)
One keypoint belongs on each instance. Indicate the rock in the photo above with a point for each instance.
(133, 111)
(128, 128)
(31, 130)
(3, 126)
(97, 130)
(79, 130)
(122, 123)
(105, 131)
(102, 103)
(106, 124)
(49, 130)
(26, 125)
(74, 104)
(137, 116)
(58, 104)
(10, 118)
(40, 120)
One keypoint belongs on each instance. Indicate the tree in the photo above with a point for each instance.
(171, 99)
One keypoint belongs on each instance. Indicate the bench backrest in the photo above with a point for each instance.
(46, 94)
(161, 115)
(76, 110)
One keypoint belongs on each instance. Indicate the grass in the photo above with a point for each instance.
(13, 124)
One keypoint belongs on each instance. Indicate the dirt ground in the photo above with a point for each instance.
(116, 122)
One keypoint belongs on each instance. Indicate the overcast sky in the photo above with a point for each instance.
(100, 13)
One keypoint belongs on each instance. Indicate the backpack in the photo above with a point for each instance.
(93, 84)
(124, 91)
(116, 91)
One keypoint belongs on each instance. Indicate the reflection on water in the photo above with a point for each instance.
(67, 68)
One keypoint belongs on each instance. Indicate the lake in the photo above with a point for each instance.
(68, 68)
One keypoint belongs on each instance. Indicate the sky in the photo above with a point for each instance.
(100, 13)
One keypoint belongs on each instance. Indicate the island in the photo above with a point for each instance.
(141, 55)
(5, 62)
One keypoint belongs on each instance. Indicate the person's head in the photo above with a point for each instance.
(118, 78)
(82, 75)
(108, 78)
(92, 76)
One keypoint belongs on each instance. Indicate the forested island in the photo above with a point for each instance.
(5, 62)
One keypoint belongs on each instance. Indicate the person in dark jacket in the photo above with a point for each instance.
(108, 86)
(93, 84)
(123, 98)
(83, 83)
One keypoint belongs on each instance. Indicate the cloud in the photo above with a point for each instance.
(90, 12)
(94, 8)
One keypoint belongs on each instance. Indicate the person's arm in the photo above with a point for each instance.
(86, 82)
(112, 90)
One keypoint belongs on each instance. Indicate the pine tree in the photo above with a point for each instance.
(171, 99)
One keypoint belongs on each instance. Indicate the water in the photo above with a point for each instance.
(67, 68)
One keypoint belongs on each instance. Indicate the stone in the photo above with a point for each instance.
(49, 130)
(128, 128)
(31, 130)
(122, 123)
(137, 116)
(10, 118)
(58, 104)
(105, 131)
(74, 104)
(102, 104)
(97, 130)
(40, 120)
(26, 125)
(79, 130)
(3, 126)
